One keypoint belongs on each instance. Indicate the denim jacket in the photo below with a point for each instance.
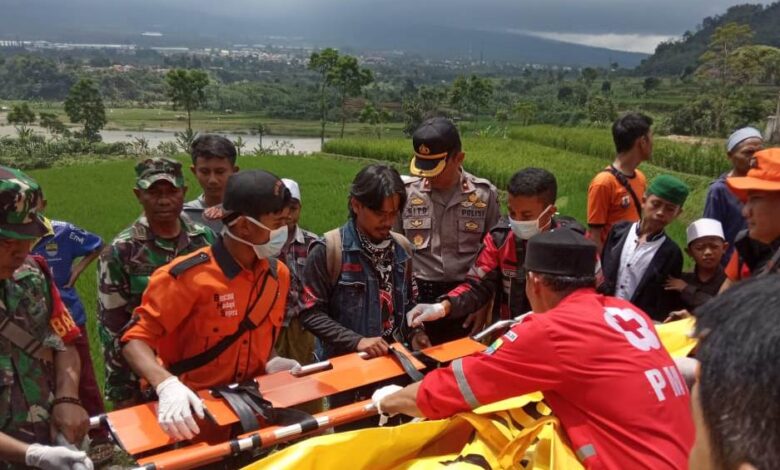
(344, 313)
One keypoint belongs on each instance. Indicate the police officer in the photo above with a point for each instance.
(577, 340)
(39, 365)
(447, 213)
(212, 316)
(124, 267)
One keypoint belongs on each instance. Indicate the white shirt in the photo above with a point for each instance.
(634, 261)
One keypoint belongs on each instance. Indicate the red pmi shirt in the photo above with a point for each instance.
(603, 371)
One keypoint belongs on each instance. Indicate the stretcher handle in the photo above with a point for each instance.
(499, 325)
(311, 369)
(199, 455)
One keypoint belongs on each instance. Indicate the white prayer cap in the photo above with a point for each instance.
(704, 228)
(295, 191)
(742, 135)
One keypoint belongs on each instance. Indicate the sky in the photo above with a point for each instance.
(631, 25)
(637, 25)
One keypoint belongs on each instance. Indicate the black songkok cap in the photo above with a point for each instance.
(561, 252)
(254, 193)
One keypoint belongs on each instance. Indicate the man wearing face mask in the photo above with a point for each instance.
(499, 266)
(447, 214)
(212, 316)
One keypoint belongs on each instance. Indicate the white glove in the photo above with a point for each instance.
(278, 364)
(424, 312)
(56, 458)
(378, 396)
(173, 409)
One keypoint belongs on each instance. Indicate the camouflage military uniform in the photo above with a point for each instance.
(124, 269)
(26, 383)
(28, 301)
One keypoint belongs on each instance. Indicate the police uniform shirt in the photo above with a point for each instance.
(447, 232)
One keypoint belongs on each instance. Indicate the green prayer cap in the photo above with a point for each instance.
(669, 188)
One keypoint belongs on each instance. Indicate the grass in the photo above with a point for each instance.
(498, 159)
(99, 198)
(702, 159)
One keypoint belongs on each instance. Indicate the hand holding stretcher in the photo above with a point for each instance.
(137, 431)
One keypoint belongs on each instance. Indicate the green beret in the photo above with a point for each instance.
(669, 188)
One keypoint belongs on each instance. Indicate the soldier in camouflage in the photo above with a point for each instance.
(39, 367)
(158, 236)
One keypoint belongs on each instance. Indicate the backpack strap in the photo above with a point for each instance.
(623, 180)
(333, 250)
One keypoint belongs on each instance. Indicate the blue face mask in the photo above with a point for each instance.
(269, 249)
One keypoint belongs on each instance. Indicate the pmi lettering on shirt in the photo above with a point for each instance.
(637, 331)
(226, 304)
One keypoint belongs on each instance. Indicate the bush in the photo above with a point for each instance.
(37, 152)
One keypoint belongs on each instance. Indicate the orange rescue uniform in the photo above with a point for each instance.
(198, 299)
(609, 202)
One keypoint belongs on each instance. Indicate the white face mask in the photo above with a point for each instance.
(269, 249)
(525, 229)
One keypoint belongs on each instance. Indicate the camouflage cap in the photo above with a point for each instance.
(153, 170)
(20, 198)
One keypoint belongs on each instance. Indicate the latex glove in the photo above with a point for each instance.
(424, 312)
(278, 364)
(61, 440)
(174, 409)
(56, 458)
(379, 395)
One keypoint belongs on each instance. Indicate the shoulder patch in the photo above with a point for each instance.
(483, 181)
(191, 262)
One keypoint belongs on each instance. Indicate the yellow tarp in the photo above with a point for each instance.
(507, 434)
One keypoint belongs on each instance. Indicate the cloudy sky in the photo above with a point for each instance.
(637, 25)
(634, 25)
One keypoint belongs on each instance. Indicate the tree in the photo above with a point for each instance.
(606, 87)
(239, 143)
(186, 89)
(85, 106)
(349, 79)
(471, 94)
(716, 62)
(650, 84)
(323, 63)
(525, 112)
(565, 94)
(601, 110)
(262, 129)
(589, 75)
(51, 123)
(21, 116)
(375, 117)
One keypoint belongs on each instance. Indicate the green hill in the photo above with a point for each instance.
(682, 56)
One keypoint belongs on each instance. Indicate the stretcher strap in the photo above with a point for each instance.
(248, 403)
(244, 411)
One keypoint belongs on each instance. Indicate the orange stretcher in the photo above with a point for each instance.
(136, 429)
(203, 453)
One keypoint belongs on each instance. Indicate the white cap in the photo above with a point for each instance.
(704, 228)
(742, 135)
(295, 191)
